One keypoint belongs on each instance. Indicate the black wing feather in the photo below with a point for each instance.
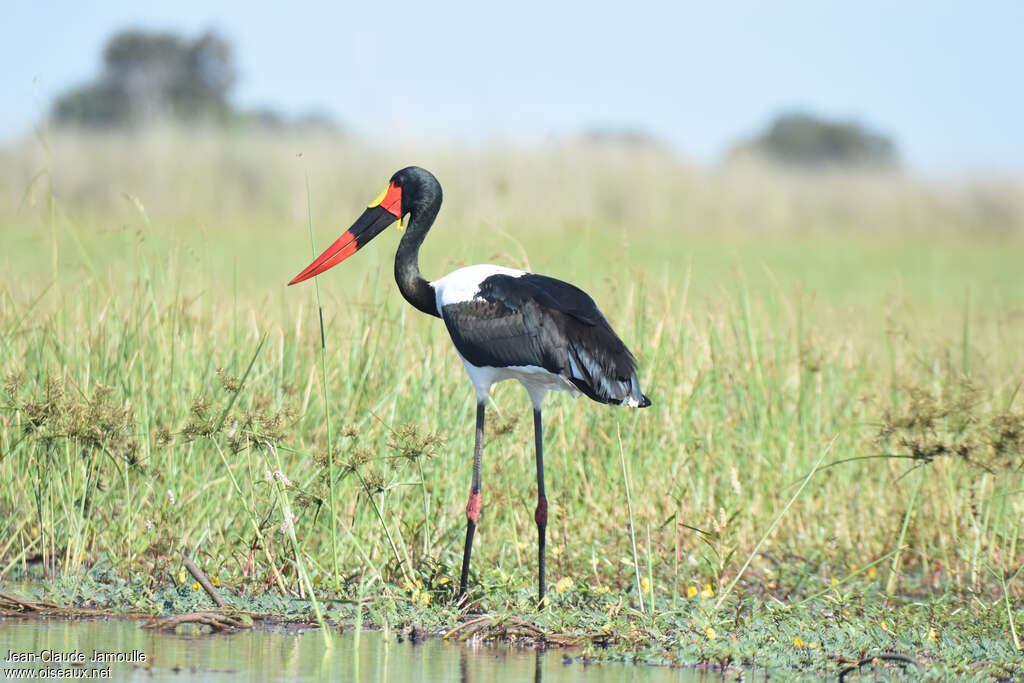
(540, 321)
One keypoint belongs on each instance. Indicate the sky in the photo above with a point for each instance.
(944, 79)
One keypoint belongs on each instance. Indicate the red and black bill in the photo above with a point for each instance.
(379, 215)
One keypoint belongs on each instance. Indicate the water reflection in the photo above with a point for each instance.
(291, 654)
(464, 676)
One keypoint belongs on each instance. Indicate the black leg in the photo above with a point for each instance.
(540, 515)
(475, 499)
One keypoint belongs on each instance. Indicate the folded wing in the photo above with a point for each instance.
(534, 320)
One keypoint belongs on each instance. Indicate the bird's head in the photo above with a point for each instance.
(412, 191)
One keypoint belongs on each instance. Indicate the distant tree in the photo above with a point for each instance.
(152, 75)
(801, 139)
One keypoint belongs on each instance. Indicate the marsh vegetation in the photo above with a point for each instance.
(831, 469)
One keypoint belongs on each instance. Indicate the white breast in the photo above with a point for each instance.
(464, 283)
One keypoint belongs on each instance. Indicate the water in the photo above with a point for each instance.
(289, 654)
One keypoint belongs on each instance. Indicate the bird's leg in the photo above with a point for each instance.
(475, 499)
(540, 515)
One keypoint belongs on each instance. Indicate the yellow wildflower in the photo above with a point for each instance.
(216, 582)
(564, 584)
(835, 582)
(645, 584)
(425, 598)
(708, 591)
(872, 573)
(181, 576)
(710, 633)
(442, 581)
(601, 590)
(932, 635)
(195, 586)
(798, 642)
(691, 591)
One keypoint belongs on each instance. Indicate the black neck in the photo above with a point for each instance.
(416, 290)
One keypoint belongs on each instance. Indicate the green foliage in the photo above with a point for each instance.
(100, 422)
(160, 77)
(150, 76)
(800, 139)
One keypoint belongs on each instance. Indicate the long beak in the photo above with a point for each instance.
(382, 213)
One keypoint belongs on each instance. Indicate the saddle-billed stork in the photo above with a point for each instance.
(505, 324)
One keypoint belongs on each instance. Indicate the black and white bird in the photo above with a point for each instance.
(505, 324)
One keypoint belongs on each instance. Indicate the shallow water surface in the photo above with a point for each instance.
(282, 654)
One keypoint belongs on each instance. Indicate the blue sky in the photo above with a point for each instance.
(944, 79)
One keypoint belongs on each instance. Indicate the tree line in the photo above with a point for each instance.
(151, 76)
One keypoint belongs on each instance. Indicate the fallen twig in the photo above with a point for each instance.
(884, 656)
(219, 622)
(488, 628)
(27, 605)
(204, 581)
(463, 626)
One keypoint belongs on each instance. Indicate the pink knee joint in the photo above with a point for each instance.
(540, 515)
(473, 507)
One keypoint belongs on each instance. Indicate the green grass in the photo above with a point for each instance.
(835, 336)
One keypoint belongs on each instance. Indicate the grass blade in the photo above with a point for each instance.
(632, 534)
(327, 405)
(732, 584)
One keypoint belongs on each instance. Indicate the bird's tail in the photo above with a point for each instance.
(605, 370)
(617, 393)
(636, 398)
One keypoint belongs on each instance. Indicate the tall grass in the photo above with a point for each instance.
(773, 317)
